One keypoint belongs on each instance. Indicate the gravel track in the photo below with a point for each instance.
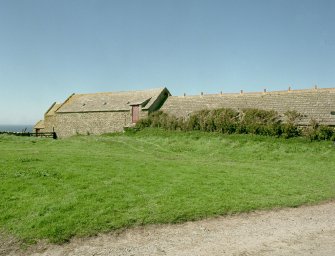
(307, 230)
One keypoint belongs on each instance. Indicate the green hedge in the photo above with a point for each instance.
(246, 121)
(316, 131)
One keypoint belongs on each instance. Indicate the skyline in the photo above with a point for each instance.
(51, 49)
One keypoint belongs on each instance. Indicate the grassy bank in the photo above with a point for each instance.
(56, 189)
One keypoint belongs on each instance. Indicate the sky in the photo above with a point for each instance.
(50, 49)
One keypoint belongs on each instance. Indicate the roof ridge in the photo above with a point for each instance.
(122, 92)
(257, 93)
(109, 100)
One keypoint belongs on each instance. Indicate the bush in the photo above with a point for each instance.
(290, 130)
(290, 127)
(216, 120)
(143, 123)
(316, 131)
(261, 122)
(292, 116)
(226, 120)
(204, 120)
(251, 121)
(159, 119)
(193, 123)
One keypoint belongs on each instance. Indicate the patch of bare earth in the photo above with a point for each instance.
(307, 230)
(8, 244)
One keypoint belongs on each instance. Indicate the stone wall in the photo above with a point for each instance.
(49, 123)
(316, 103)
(69, 124)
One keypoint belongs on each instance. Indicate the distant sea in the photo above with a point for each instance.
(16, 128)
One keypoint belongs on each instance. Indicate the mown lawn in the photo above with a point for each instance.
(56, 189)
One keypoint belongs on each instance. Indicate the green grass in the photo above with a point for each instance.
(56, 189)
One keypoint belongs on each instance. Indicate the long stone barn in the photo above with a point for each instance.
(99, 113)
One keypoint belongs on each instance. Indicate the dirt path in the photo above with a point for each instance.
(307, 230)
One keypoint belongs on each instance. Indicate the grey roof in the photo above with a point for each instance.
(110, 101)
(315, 103)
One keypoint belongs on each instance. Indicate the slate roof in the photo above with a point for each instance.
(312, 103)
(110, 101)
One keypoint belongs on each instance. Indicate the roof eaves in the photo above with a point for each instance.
(141, 102)
(94, 111)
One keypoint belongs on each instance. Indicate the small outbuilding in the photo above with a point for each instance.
(39, 126)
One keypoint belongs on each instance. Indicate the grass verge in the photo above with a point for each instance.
(56, 189)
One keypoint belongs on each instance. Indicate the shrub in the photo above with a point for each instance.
(159, 119)
(144, 122)
(193, 123)
(199, 121)
(220, 120)
(261, 122)
(316, 131)
(311, 131)
(205, 121)
(226, 120)
(290, 130)
(326, 132)
(252, 121)
(290, 127)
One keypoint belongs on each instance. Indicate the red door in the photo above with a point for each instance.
(135, 113)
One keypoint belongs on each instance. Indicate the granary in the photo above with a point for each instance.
(99, 113)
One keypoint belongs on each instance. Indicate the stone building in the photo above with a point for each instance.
(39, 126)
(100, 113)
(318, 104)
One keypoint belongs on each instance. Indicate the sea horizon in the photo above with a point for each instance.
(16, 127)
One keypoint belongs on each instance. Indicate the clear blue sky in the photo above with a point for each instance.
(52, 48)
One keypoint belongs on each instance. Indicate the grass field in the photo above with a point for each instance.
(56, 189)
